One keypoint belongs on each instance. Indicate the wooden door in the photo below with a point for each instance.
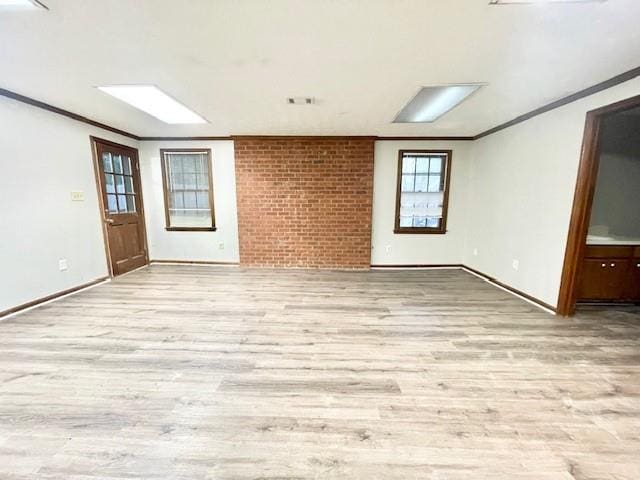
(118, 173)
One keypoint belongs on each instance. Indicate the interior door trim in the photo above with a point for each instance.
(582, 203)
(98, 178)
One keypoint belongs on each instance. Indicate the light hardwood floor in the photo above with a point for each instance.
(195, 372)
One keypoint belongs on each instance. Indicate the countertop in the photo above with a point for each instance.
(612, 240)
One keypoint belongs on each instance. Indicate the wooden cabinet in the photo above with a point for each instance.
(603, 279)
(633, 284)
(610, 273)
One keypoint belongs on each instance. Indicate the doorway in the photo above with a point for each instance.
(583, 203)
(119, 189)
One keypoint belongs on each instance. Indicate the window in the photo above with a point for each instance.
(188, 189)
(422, 191)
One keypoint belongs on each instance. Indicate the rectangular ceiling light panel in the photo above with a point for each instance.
(22, 4)
(155, 102)
(525, 2)
(430, 103)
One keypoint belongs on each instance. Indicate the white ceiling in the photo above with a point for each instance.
(235, 61)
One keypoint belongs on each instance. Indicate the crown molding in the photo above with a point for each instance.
(612, 82)
(183, 139)
(447, 138)
(304, 137)
(66, 113)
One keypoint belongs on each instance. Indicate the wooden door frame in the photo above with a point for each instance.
(98, 178)
(583, 201)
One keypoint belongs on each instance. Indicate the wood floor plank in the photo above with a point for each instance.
(204, 372)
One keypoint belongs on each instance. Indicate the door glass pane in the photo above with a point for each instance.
(109, 183)
(122, 203)
(107, 164)
(119, 184)
(117, 163)
(128, 184)
(126, 164)
(112, 204)
(131, 204)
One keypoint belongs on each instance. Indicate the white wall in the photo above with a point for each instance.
(511, 197)
(521, 186)
(44, 158)
(389, 248)
(191, 246)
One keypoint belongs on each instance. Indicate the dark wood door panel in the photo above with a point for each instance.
(133, 246)
(117, 246)
(127, 249)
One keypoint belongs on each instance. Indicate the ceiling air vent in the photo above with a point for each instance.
(301, 100)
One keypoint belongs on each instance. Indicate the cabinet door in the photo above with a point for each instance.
(633, 282)
(603, 279)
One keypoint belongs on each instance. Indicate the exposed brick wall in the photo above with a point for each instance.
(304, 202)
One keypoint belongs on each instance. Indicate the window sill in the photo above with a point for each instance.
(419, 231)
(190, 229)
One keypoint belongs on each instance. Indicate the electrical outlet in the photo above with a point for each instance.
(387, 249)
(221, 245)
(77, 196)
(515, 264)
(62, 264)
(475, 252)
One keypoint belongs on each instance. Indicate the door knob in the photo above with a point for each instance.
(109, 220)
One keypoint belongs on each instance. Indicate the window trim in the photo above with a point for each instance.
(167, 218)
(442, 229)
